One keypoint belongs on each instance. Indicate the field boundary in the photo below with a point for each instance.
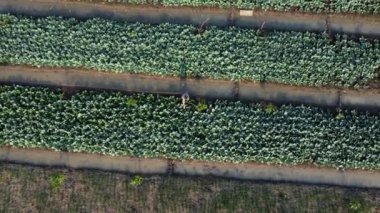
(364, 99)
(245, 171)
(368, 25)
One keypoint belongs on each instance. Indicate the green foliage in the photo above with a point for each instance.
(359, 206)
(62, 95)
(201, 106)
(131, 102)
(56, 181)
(278, 5)
(158, 126)
(270, 108)
(166, 49)
(339, 116)
(355, 6)
(316, 6)
(5, 20)
(136, 181)
(355, 206)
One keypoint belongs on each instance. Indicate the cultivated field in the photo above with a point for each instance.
(33, 189)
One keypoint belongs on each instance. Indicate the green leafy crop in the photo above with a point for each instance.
(159, 127)
(239, 54)
(314, 6)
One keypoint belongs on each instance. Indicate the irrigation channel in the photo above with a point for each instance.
(367, 25)
(246, 171)
(363, 99)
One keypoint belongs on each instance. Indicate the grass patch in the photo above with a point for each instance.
(136, 181)
(56, 181)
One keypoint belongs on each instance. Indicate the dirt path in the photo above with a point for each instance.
(368, 99)
(337, 23)
(248, 171)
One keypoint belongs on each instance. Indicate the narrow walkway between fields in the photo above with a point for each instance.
(247, 171)
(362, 99)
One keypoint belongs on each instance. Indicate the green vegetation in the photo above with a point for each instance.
(166, 49)
(355, 6)
(270, 108)
(136, 181)
(201, 106)
(314, 6)
(26, 189)
(131, 102)
(56, 181)
(159, 127)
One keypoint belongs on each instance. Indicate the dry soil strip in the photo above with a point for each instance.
(368, 25)
(247, 171)
(203, 88)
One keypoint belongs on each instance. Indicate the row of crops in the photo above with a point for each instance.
(168, 50)
(314, 6)
(158, 126)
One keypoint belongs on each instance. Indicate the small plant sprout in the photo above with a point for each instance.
(356, 206)
(136, 181)
(62, 95)
(56, 181)
(339, 115)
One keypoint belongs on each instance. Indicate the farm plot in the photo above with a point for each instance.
(34, 189)
(294, 58)
(157, 126)
(313, 6)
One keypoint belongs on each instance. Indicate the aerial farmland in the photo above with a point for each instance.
(189, 106)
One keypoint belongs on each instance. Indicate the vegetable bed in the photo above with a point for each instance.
(314, 6)
(157, 126)
(294, 58)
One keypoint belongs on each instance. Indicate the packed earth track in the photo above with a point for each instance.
(247, 171)
(362, 99)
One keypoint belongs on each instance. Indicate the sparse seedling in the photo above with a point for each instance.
(62, 95)
(136, 181)
(339, 115)
(356, 206)
(56, 181)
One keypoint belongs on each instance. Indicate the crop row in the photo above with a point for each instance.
(157, 126)
(315, 6)
(168, 50)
